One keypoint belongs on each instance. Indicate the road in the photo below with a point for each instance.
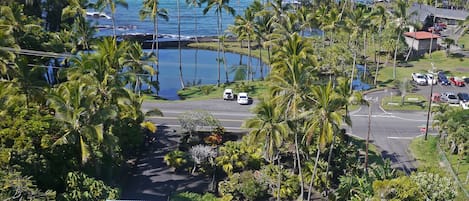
(153, 180)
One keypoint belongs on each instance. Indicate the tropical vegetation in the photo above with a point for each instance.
(70, 121)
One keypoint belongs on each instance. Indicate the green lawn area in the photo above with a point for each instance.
(253, 88)
(464, 40)
(414, 102)
(429, 160)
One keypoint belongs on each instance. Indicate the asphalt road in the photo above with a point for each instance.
(153, 180)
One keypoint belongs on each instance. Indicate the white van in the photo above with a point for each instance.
(243, 98)
(228, 94)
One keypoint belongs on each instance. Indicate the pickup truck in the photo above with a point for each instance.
(457, 81)
(419, 78)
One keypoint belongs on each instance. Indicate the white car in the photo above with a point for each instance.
(419, 78)
(431, 79)
(464, 105)
(228, 94)
(243, 98)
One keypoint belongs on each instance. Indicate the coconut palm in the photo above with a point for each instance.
(245, 28)
(402, 17)
(111, 5)
(219, 6)
(181, 79)
(324, 120)
(379, 17)
(291, 78)
(150, 9)
(195, 4)
(267, 127)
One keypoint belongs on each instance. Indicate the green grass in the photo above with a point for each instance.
(412, 102)
(374, 155)
(257, 88)
(460, 170)
(465, 41)
(429, 160)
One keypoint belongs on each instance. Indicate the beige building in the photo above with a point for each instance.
(420, 41)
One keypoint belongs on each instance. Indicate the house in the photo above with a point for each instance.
(421, 42)
(428, 14)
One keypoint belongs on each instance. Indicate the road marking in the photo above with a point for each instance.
(212, 113)
(231, 120)
(401, 138)
(388, 115)
(200, 129)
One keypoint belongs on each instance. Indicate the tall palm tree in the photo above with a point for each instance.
(267, 127)
(358, 20)
(181, 79)
(379, 18)
(245, 29)
(325, 120)
(219, 6)
(402, 17)
(111, 5)
(195, 4)
(151, 10)
(291, 77)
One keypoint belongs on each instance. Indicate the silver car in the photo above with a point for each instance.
(449, 97)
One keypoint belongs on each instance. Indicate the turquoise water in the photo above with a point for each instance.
(128, 20)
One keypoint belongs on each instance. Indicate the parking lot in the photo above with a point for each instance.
(438, 88)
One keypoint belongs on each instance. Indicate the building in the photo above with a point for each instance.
(421, 42)
(426, 14)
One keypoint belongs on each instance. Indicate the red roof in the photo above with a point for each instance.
(421, 35)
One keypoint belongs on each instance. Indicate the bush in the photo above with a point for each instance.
(175, 159)
(190, 196)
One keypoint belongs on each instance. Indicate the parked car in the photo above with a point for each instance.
(466, 79)
(431, 79)
(443, 79)
(228, 94)
(463, 100)
(457, 81)
(449, 97)
(436, 97)
(419, 78)
(243, 98)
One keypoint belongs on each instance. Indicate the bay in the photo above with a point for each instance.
(128, 20)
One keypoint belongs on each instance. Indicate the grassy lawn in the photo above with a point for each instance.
(413, 102)
(461, 169)
(464, 40)
(374, 155)
(254, 89)
(429, 160)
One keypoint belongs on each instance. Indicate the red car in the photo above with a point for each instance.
(457, 81)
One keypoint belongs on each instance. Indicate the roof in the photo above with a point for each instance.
(422, 11)
(421, 35)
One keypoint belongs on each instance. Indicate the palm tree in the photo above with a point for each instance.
(219, 6)
(245, 29)
(267, 127)
(150, 9)
(73, 105)
(195, 4)
(402, 16)
(325, 120)
(111, 4)
(181, 79)
(379, 18)
(291, 78)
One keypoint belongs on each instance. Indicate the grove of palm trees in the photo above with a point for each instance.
(70, 107)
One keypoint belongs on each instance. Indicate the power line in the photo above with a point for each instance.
(36, 53)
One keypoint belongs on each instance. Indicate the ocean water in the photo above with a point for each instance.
(128, 20)
(205, 70)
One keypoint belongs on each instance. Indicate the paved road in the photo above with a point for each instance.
(152, 180)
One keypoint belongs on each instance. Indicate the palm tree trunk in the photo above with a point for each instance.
(314, 173)
(364, 55)
(219, 46)
(197, 49)
(261, 64)
(181, 79)
(379, 55)
(329, 157)
(250, 58)
(412, 45)
(279, 177)
(368, 138)
(300, 174)
(353, 69)
(395, 54)
(224, 62)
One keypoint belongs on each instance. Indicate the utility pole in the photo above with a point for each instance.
(429, 103)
